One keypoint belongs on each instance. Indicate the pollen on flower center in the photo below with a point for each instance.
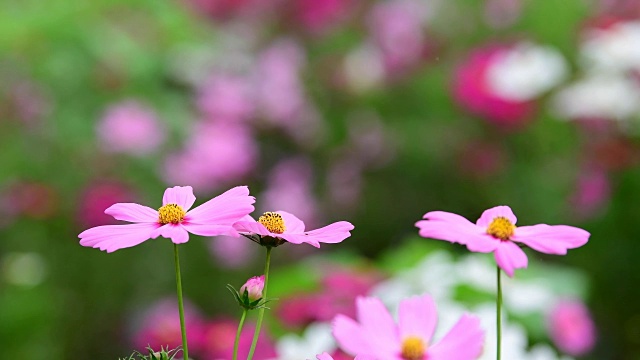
(501, 228)
(413, 348)
(273, 222)
(171, 213)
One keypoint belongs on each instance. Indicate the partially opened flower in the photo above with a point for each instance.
(376, 335)
(276, 228)
(496, 232)
(173, 220)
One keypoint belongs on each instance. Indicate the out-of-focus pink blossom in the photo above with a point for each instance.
(231, 252)
(161, 327)
(289, 188)
(29, 198)
(220, 9)
(471, 90)
(345, 182)
(318, 16)
(591, 193)
(97, 197)
(481, 159)
(226, 98)
(130, 127)
(397, 29)
(28, 102)
(571, 327)
(219, 337)
(214, 154)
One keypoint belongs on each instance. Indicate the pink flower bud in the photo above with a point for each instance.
(254, 287)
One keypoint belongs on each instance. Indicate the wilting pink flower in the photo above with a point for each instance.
(285, 227)
(173, 220)
(496, 232)
(375, 333)
(254, 287)
(97, 197)
(130, 127)
(219, 337)
(326, 356)
(571, 327)
(471, 90)
(161, 327)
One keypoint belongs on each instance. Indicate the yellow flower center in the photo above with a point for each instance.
(171, 213)
(413, 348)
(273, 222)
(501, 228)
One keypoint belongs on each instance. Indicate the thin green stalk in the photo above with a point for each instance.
(499, 316)
(185, 349)
(256, 334)
(235, 345)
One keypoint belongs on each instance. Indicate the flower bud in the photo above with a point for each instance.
(253, 287)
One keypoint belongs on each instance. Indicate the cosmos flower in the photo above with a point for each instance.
(173, 220)
(496, 232)
(254, 287)
(571, 327)
(376, 334)
(276, 228)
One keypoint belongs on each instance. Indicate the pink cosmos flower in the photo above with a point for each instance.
(377, 335)
(571, 327)
(496, 232)
(254, 287)
(326, 356)
(280, 226)
(173, 220)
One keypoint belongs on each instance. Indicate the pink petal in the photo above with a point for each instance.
(551, 239)
(132, 212)
(463, 342)
(224, 209)
(484, 244)
(180, 195)
(324, 356)
(417, 317)
(447, 226)
(498, 211)
(114, 237)
(349, 335)
(378, 326)
(210, 230)
(510, 257)
(248, 225)
(292, 223)
(332, 233)
(299, 239)
(175, 232)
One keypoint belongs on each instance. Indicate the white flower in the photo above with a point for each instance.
(613, 49)
(525, 71)
(316, 339)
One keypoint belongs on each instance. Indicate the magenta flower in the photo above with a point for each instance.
(254, 287)
(377, 335)
(173, 220)
(496, 232)
(571, 327)
(280, 226)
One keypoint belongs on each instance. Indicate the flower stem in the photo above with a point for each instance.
(235, 345)
(185, 349)
(256, 334)
(498, 316)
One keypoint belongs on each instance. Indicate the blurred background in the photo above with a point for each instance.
(373, 112)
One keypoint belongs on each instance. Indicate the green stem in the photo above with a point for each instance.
(235, 345)
(498, 316)
(185, 349)
(256, 334)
